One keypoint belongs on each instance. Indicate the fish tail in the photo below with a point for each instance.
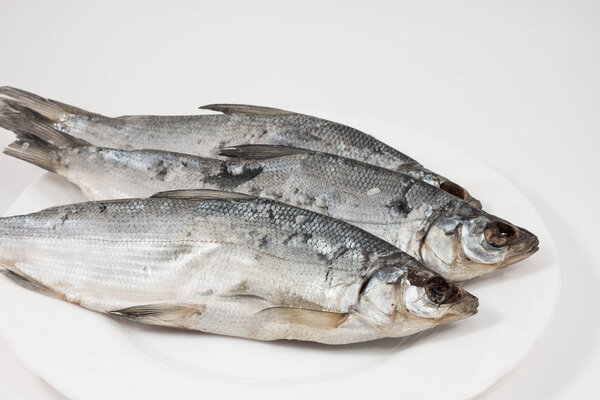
(38, 142)
(25, 121)
(51, 109)
(35, 151)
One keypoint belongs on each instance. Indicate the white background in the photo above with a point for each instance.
(515, 83)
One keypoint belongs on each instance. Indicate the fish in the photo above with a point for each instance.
(446, 234)
(206, 135)
(229, 264)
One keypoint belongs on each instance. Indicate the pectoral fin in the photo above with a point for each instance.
(176, 315)
(299, 316)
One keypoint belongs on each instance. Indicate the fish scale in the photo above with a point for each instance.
(191, 259)
(206, 135)
(396, 207)
(128, 222)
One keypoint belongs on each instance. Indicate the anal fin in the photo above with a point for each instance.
(164, 314)
(29, 283)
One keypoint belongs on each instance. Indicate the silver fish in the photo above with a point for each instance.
(448, 235)
(205, 135)
(230, 264)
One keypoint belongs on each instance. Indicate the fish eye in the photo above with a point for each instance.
(441, 291)
(499, 233)
(454, 189)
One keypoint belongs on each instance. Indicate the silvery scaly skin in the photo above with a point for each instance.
(229, 264)
(448, 235)
(206, 135)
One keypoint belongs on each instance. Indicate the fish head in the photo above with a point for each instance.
(465, 245)
(401, 301)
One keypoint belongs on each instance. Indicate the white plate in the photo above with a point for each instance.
(88, 355)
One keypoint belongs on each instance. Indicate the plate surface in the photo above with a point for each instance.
(88, 355)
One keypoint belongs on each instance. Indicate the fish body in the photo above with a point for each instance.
(429, 224)
(229, 264)
(206, 135)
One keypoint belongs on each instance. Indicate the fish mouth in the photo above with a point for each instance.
(473, 201)
(524, 247)
(463, 308)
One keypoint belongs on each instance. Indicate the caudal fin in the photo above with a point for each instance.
(36, 152)
(25, 121)
(51, 109)
(37, 140)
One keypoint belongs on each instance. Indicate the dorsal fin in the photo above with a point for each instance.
(202, 194)
(261, 151)
(245, 109)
